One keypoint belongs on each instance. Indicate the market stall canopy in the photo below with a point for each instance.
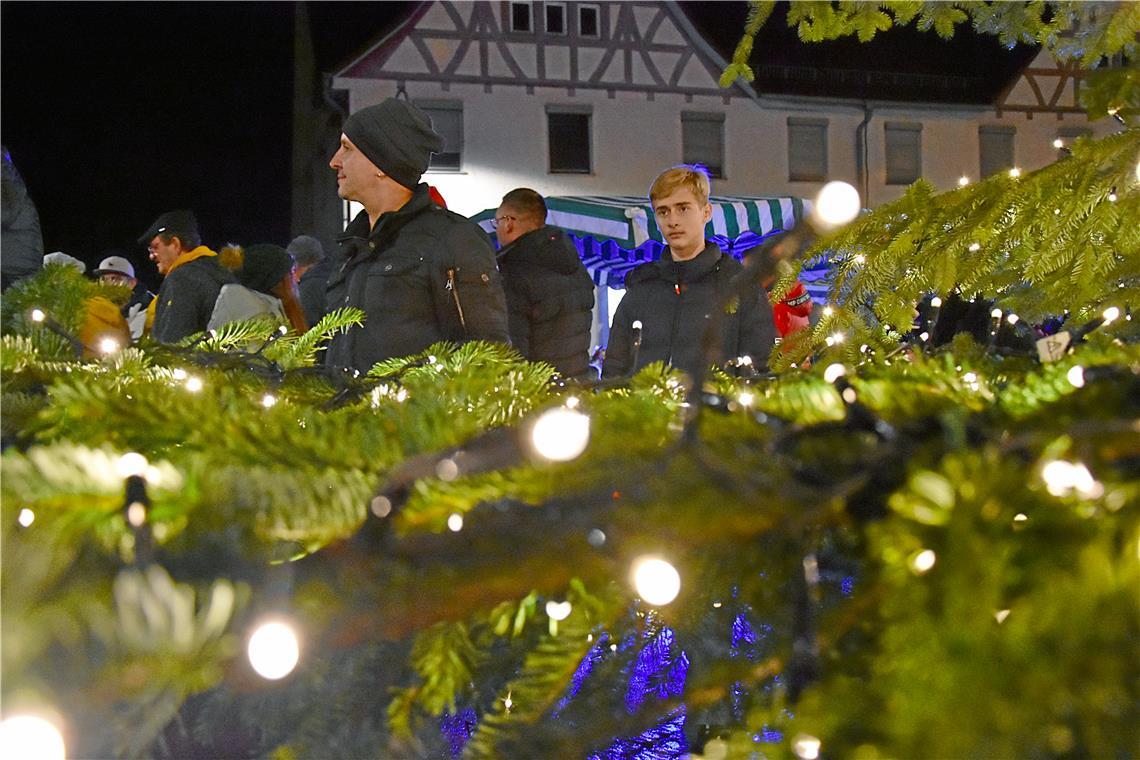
(615, 233)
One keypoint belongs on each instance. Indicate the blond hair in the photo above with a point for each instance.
(685, 176)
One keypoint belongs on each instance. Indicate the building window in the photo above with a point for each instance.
(568, 137)
(995, 146)
(589, 21)
(702, 141)
(555, 18)
(904, 152)
(520, 18)
(807, 150)
(446, 119)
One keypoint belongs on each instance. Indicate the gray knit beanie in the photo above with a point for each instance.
(397, 137)
(306, 250)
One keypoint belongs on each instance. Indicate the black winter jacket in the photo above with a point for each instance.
(311, 290)
(550, 300)
(186, 299)
(422, 275)
(674, 303)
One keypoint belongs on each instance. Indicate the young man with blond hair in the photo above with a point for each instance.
(668, 303)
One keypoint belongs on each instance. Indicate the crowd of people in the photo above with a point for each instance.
(424, 274)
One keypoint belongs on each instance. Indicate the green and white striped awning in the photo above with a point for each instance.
(628, 220)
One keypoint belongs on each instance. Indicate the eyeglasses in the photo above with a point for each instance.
(495, 222)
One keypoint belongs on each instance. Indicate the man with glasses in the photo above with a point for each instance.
(668, 303)
(550, 296)
(192, 277)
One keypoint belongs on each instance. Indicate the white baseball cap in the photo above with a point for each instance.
(115, 265)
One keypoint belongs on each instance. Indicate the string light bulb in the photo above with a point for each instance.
(26, 517)
(656, 581)
(963, 181)
(974, 247)
(1111, 314)
(268, 400)
(38, 315)
(806, 746)
(108, 346)
(30, 736)
(560, 434)
(1058, 143)
(178, 374)
(1076, 376)
(923, 561)
(558, 611)
(936, 302)
(1112, 195)
(131, 463)
(834, 372)
(1015, 172)
(837, 204)
(194, 384)
(273, 650)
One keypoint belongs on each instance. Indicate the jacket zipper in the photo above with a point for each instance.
(454, 288)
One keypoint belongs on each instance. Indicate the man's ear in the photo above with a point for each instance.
(708, 212)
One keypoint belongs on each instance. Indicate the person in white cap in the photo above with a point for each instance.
(116, 270)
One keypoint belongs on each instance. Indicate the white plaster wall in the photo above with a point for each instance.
(634, 139)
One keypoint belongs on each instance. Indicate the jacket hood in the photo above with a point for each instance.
(547, 247)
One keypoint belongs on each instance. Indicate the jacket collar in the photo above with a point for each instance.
(358, 228)
(693, 269)
(185, 258)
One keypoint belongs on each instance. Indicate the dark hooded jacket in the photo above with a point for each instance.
(422, 275)
(674, 301)
(186, 299)
(550, 300)
(311, 290)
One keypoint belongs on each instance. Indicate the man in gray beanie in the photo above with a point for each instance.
(421, 274)
(311, 269)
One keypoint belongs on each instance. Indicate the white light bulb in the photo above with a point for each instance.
(38, 315)
(560, 434)
(923, 561)
(402, 395)
(828, 311)
(849, 395)
(974, 247)
(136, 514)
(996, 313)
(936, 302)
(806, 747)
(381, 506)
(963, 181)
(837, 337)
(924, 336)
(1020, 517)
(656, 581)
(178, 374)
(27, 517)
(273, 650)
(1012, 319)
(834, 372)
(194, 384)
(29, 736)
(1015, 172)
(1058, 476)
(268, 400)
(1076, 376)
(558, 610)
(1001, 615)
(455, 522)
(572, 402)
(1058, 143)
(131, 463)
(108, 345)
(1112, 197)
(746, 398)
(636, 324)
(836, 204)
(1110, 315)
(859, 258)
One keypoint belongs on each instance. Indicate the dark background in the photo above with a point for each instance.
(116, 112)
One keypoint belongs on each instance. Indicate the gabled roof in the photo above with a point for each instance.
(649, 47)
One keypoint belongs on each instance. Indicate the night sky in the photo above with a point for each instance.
(116, 112)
